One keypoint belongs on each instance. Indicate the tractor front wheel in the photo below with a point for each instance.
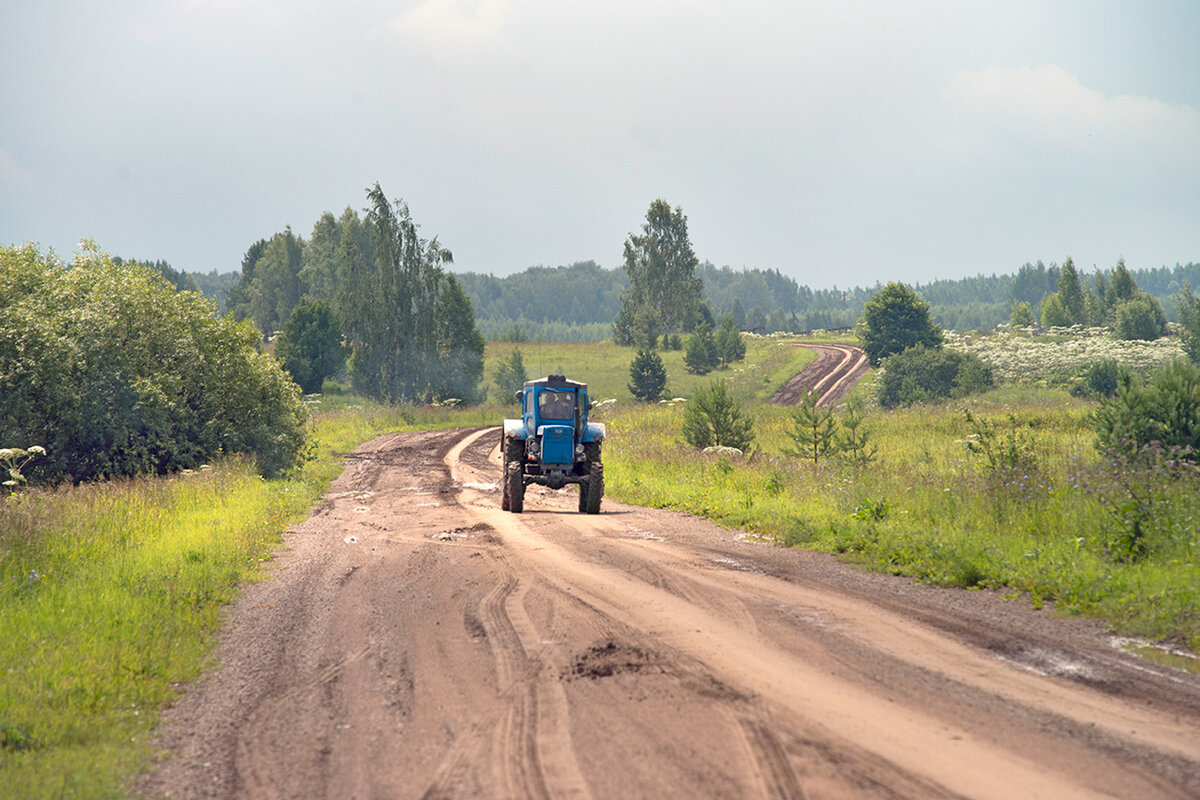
(514, 487)
(594, 491)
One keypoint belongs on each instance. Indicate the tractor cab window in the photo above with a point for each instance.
(556, 405)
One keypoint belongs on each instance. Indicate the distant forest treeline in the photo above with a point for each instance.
(579, 302)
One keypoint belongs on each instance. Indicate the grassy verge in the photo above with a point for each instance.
(111, 595)
(1060, 528)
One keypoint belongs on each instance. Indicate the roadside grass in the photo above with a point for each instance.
(111, 595)
(1056, 529)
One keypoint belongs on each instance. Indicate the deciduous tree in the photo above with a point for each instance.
(893, 320)
(662, 275)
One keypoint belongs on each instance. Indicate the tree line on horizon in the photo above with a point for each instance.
(579, 301)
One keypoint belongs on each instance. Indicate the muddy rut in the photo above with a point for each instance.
(414, 641)
(832, 375)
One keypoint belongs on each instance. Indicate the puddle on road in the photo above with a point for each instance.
(1161, 655)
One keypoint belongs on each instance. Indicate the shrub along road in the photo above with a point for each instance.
(416, 641)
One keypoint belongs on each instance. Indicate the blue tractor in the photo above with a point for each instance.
(553, 444)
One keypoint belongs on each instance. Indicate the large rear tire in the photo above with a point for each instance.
(514, 484)
(595, 489)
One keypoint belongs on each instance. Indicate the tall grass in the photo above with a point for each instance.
(111, 594)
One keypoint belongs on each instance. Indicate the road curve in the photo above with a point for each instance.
(837, 368)
(416, 641)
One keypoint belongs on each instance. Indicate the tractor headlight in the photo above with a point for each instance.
(578, 449)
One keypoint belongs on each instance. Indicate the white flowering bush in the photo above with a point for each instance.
(1023, 356)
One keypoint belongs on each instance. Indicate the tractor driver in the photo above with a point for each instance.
(556, 405)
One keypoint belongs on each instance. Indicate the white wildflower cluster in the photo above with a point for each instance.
(1017, 355)
(13, 459)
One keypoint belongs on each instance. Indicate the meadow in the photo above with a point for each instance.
(111, 593)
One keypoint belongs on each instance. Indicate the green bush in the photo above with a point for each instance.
(1139, 318)
(1162, 416)
(1099, 380)
(310, 347)
(700, 356)
(115, 373)
(921, 375)
(510, 376)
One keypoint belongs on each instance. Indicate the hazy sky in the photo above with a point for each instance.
(841, 143)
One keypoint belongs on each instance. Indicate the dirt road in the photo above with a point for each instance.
(417, 642)
(837, 368)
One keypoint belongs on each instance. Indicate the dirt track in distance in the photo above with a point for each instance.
(837, 368)
(415, 641)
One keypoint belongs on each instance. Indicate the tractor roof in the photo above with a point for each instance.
(557, 381)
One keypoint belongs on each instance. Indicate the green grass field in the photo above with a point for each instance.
(111, 594)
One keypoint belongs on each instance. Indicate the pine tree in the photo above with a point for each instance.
(714, 419)
(700, 355)
(648, 376)
(813, 430)
(730, 345)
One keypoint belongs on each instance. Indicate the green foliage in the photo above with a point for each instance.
(1100, 380)
(921, 375)
(116, 373)
(513, 333)
(893, 320)
(730, 346)
(662, 278)
(310, 347)
(459, 346)
(700, 355)
(271, 285)
(1010, 457)
(510, 376)
(1139, 318)
(853, 437)
(1022, 315)
(1188, 308)
(1052, 312)
(712, 418)
(409, 324)
(1070, 294)
(1148, 420)
(648, 376)
(814, 431)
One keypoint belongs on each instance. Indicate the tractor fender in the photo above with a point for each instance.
(593, 432)
(516, 429)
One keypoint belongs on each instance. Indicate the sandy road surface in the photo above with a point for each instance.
(837, 368)
(417, 642)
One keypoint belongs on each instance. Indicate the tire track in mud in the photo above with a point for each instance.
(892, 675)
(415, 641)
(837, 368)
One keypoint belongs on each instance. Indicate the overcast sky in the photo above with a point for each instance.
(841, 143)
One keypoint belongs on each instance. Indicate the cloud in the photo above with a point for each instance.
(454, 25)
(1050, 101)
